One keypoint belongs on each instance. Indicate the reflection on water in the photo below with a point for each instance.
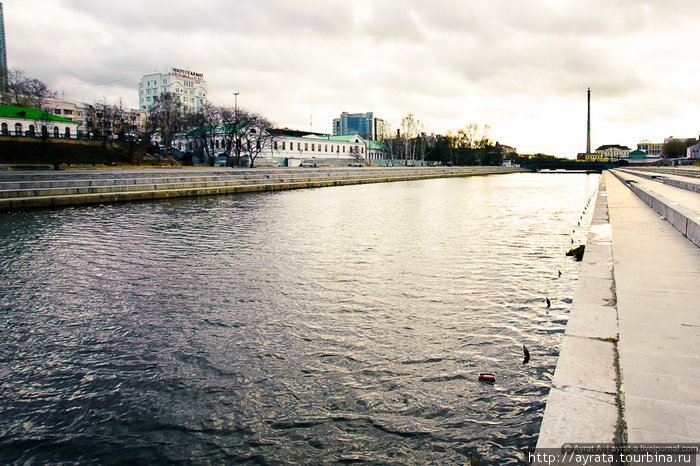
(327, 325)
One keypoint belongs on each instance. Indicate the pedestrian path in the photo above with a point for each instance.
(657, 283)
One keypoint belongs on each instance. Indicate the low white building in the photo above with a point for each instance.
(287, 147)
(76, 111)
(21, 121)
(693, 151)
(296, 145)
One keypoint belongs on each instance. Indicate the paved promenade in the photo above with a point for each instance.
(657, 281)
(629, 365)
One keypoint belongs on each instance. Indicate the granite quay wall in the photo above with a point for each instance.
(23, 190)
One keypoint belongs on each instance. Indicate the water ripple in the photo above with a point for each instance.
(327, 325)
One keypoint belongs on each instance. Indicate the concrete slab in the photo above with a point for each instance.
(573, 409)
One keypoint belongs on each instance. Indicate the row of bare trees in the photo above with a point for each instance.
(469, 145)
(212, 130)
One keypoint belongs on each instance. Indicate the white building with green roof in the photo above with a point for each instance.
(291, 148)
(21, 121)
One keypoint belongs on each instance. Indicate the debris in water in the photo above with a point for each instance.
(577, 252)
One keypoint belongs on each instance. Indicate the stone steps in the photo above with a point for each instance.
(678, 205)
(44, 189)
(671, 178)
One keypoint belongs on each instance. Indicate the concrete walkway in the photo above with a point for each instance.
(629, 365)
(657, 280)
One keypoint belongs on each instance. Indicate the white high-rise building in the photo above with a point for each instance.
(188, 85)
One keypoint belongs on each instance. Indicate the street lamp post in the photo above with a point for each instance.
(235, 122)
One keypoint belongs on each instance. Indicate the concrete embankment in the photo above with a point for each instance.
(22, 190)
(629, 365)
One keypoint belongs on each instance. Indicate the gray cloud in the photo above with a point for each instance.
(450, 61)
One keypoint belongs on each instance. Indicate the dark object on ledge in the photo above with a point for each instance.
(577, 252)
(484, 377)
(526, 354)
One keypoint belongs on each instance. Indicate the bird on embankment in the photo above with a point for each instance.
(549, 303)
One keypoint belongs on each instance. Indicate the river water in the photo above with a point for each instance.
(343, 324)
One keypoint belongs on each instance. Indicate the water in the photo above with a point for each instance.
(342, 324)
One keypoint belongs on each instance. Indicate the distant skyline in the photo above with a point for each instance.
(520, 67)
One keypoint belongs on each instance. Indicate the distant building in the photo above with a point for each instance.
(3, 50)
(609, 152)
(364, 124)
(652, 149)
(188, 85)
(30, 122)
(639, 157)
(291, 147)
(694, 151)
(76, 111)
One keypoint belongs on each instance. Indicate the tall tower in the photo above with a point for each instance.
(3, 51)
(588, 127)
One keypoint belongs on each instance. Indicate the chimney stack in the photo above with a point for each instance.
(588, 128)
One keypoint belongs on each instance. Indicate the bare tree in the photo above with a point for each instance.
(411, 137)
(166, 117)
(257, 135)
(20, 91)
(206, 122)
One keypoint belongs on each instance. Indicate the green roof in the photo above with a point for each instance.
(30, 114)
(343, 137)
(376, 145)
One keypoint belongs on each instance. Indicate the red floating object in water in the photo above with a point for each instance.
(484, 377)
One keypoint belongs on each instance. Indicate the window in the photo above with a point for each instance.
(32, 130)
(312, 147)
(284, 144)
(5, 129)
(18, 129)
(275, 145)
(306, 146)
(343, 149)
(55, 131)
(66, 134)
(291, 146)
(57, 111)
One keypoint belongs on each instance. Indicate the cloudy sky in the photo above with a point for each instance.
(520, 66)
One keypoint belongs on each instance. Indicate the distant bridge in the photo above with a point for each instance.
(597, 167)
